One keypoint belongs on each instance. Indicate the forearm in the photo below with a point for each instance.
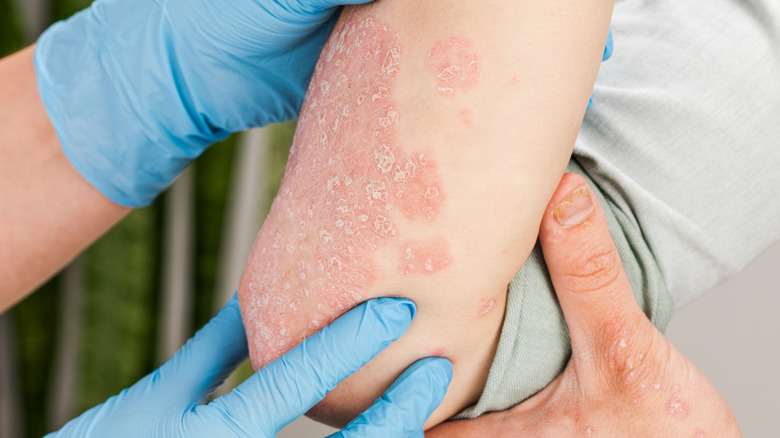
(408, 177)
(49, 212)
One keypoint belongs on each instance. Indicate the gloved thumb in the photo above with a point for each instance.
(584, 265)
(327, 4)
(406, 405)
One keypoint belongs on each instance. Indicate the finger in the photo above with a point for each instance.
(584, 264)
(406, 405)
(289, 386)
(207, 358)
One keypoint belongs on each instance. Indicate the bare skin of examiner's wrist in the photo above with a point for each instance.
(48, 211)
(425, 155)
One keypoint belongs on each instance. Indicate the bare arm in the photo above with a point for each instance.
(433, 136)
(49, 213)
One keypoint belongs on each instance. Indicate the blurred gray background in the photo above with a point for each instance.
(731, 333)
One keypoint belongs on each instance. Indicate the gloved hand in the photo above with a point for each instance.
(169, 402)
(138, 88)
(608, 48)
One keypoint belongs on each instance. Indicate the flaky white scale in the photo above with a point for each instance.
(347, 183)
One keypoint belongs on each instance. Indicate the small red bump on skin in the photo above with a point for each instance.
(676, 407)
(438, 352)
(424, 257)
(455, 65)
(465, 116)
(487, 305)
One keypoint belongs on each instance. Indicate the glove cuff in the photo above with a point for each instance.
(109, 81)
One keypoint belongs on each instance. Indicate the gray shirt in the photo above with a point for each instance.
(681, 148)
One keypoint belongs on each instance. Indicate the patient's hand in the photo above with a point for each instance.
(624, 378)
(425, 154)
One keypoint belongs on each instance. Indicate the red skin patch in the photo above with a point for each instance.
(439, 352)
(455, 65)
(486, 305)
(347, 182)
(424, 257)
(676, 406)
(465, 116)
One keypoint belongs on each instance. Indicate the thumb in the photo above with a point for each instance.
(332, 3)
(584, 265)
(406, 405)
(327, 4)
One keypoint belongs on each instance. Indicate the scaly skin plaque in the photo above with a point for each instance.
(455, 65)
(348, 183)
(424, 256)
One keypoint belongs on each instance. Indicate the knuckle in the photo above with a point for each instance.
(593, 267)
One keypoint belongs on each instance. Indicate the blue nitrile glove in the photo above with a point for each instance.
(138, 88)
(607, 53)
(169, 402)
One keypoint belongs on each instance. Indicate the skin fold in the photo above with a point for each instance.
(624, 378)
(430, 141)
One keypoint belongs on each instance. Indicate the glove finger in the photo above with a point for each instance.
(325, 4)
(406, 406)
(207, 358)
(289, 386)
(609, 47)
(314, 10)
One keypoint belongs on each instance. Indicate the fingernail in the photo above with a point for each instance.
(575, 208)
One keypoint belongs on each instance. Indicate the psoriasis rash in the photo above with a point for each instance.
(454, 64)
(425, 257)
(348, 182)
(486, 306)
(676, 407)
(466, 116)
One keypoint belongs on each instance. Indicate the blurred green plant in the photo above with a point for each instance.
(122, 273)
(10, 28)
(62, 9)
(120, 307)
(212, 171)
